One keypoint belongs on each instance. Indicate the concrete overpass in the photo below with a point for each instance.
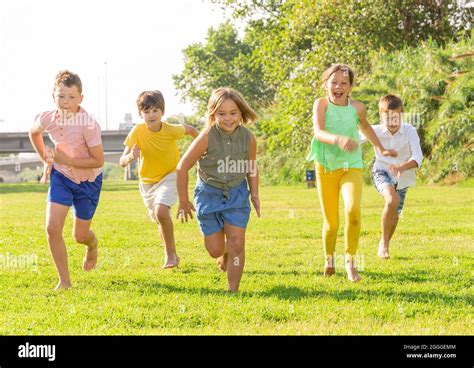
(20, 143)
(112, 141)
(18, 164)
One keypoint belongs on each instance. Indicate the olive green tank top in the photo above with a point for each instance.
(225, 163)
(339, 120)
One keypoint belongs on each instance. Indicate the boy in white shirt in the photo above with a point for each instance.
(392, 176)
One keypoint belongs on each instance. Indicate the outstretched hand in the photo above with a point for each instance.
(61, 157)
(135, 153)
(48, 160)
(185, 209)
(46, 172)
(395, 170)
(347, 144)
(256, 204)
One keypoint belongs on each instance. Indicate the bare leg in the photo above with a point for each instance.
(236, 259)
(162, 213)
(351, 269)
(83, 235)
(389, 220)
(216, 247)
(55, 218)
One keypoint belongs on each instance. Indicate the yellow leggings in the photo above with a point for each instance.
(330, 184)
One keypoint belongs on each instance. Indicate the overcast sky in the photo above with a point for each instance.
(140, 40)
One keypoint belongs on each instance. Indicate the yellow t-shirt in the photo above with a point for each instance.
(159, 152)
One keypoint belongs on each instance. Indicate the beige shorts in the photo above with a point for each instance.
(164, 192)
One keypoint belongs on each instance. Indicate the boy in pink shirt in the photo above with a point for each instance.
(75, 169)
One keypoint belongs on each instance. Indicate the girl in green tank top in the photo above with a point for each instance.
(336, 150)
(342, 121)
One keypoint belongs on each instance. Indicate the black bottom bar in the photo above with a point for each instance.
(59, 351)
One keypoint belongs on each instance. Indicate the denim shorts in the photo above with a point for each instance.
(381, 179)
(83, 197)
(213, 209)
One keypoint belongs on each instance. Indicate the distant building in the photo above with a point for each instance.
(127, 122)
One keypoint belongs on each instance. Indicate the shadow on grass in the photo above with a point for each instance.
(156, 287)
(425, 297)
(319, 290)
(417, 276)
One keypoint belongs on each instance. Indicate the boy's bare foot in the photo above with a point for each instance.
(222, 262)
(352, 274)
(383, 251)
(62, 286)
(171, 262)
(90, 259)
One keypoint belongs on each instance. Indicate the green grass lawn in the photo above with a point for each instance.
(425, 288)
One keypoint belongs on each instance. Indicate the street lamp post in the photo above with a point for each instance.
(106, 109)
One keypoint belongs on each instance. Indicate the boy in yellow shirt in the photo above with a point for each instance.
(154, 142)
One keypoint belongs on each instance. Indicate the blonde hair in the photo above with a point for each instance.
(390, 102)
(221, 94)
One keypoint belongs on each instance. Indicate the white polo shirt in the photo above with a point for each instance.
(407, 144)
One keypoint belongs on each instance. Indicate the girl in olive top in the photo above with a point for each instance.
(226, 155)
(335, 148)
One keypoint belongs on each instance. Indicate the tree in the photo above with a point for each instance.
(224, 60)
(295, 40)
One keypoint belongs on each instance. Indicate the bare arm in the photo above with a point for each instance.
(415, 160)
(319, 109)
(128, 155)
(95, 160)
(398, 169)
(253, 175)
(36, 138)
(190, 130)
(45, 153)
(369, 132)
(195, 150)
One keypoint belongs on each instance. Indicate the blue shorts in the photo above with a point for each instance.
(83, 197)
(213, 209)
(381, 179)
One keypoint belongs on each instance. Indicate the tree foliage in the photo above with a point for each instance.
(224, 60)
(288, 44)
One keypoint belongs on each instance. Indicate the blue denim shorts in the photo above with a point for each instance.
(213, 209)
(381, 179)
(83, 197)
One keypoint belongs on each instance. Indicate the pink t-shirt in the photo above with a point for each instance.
(73, 135)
